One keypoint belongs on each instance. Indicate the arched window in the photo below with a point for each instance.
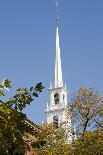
(56, 98)
(55, 121)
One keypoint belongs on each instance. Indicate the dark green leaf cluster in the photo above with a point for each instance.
(24, 97)
(6, 84)
(13, 123)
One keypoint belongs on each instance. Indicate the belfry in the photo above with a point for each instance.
(57, 111)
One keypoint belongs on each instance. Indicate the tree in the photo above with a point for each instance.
(87, 115)
(50, 141)
(87, 110)
(91, 144)
(18, 134)
(13, 123)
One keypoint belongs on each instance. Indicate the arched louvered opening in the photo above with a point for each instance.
(56, 98)
(55, 121)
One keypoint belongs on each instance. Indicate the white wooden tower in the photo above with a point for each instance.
(56, 110)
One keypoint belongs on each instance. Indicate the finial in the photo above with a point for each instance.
(57, 9)
(47, 106)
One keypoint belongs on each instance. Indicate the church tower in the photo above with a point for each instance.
(56, 110)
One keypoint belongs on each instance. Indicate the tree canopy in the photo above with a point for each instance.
(87, 110)
(19, 135)
(13, 123)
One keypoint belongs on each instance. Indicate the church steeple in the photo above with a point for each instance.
(56, 111)
(58, 68)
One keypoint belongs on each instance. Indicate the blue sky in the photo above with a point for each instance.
(27, 46)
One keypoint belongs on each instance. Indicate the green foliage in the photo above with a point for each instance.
(17, 134)
(87, 107)
(87, 113)
(5, 85)
(50, 141)
(90, 144)
(1, 93)
(11, 130)
(24, 97)
(13, 123)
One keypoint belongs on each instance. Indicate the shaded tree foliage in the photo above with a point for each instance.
(91, 143)
(18, 134)
(50, 141)
(13, 123)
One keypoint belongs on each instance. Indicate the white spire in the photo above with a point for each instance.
(58, 69)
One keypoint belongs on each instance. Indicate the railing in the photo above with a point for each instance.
(56, 107)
